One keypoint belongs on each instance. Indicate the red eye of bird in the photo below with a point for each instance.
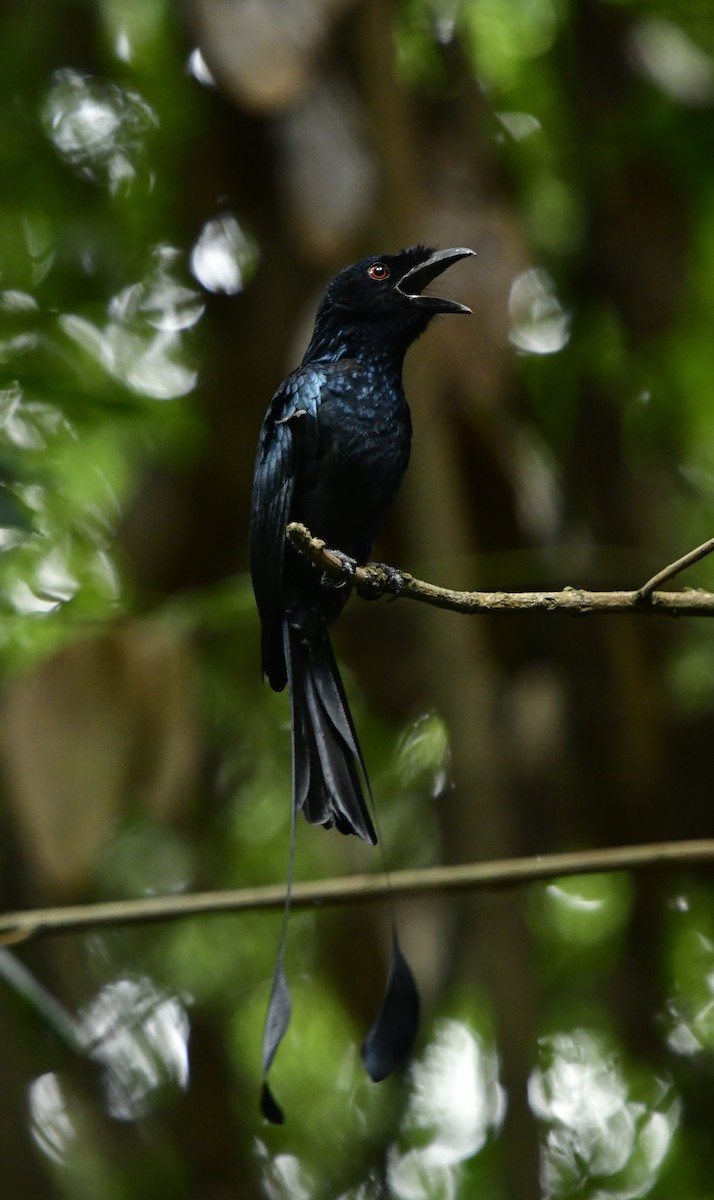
(378, 271)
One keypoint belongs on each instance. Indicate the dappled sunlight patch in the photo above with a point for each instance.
(688, 1015)
(672, 61)
(599, 1123)
(141, 344)
(98, 127)
(456, 1093)
(26, 602)
(51, 1126)
(197, 66)
(158, 299)
(519, 125)
(39, 243)
(285, 1177)
(583, 910)
(539, 323)
(416, 1176)
(457, 1102)
(55, 576)
(18, 310)
(423, 754)
(140, 1037)
(13, 301)
(29, 424)
(146, 363)
(224, 257)
(61, 551)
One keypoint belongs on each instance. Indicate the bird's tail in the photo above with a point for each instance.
(329, 776)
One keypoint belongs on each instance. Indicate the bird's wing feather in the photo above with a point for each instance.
(297, 399)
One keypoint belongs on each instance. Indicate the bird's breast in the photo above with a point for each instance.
(369, 442)
(363, 452)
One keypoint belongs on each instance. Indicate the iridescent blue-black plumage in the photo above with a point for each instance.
(333, 450)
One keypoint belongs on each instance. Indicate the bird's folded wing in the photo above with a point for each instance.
(297, 399)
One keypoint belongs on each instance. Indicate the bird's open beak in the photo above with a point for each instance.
(413, 283)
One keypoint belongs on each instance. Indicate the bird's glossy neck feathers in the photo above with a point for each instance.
(374, 342)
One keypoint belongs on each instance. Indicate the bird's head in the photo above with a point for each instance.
(382, 298)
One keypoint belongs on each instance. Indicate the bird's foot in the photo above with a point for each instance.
(349, 566)
(383, 578)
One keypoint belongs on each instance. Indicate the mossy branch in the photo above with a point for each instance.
(376, 579)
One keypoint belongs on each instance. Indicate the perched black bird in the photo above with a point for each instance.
(333, 449)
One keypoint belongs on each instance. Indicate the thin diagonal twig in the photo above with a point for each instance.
(687, 560)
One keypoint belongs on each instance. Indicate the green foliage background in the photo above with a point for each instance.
(178, 184)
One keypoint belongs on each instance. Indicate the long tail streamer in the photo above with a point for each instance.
(393, 1032)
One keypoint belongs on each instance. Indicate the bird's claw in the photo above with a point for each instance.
(392, 579)
(383, 578)
(348, 565)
